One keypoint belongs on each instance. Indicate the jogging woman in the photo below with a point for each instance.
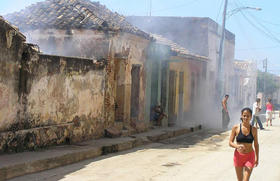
(245, 157)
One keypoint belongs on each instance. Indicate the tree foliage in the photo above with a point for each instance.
(270, 84)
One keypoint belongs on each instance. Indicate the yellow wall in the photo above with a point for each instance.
(182, 67)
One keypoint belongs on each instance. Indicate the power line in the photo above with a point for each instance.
(268, 22)
(263, 29)
(244, 31)
(259, 29)
(220, 9)
(259, 48)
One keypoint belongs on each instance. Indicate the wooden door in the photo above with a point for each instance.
(120, 89)
(172, 98)
(135, 90)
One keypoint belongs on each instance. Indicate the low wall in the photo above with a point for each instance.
(11, 49)
(61, 101)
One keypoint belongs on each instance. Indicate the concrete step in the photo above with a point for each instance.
(17, 164)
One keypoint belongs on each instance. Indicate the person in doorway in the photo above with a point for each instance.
(245, 157)
(268, 113)
(225, 114)
(256, 113)
(158, 114)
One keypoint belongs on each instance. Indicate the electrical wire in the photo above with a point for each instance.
(245, 34)
(267, 34)
(264, 27)
(260, 48)
(261, 28)
(220, 10)
(268, 22)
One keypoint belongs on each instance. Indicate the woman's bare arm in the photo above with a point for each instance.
(256, 145)
(232, 137)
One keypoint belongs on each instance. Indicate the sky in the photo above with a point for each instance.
(257, 33)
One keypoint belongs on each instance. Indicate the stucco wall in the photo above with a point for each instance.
(133, 51)
(11, 48)
(116, 46)
(63, 102)
(63, 90)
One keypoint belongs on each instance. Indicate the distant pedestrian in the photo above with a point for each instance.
(158, 115)
(268, 113)
(225, 114)
(245, 157)
(256, 113)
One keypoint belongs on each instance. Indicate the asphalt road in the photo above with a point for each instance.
(199, 156)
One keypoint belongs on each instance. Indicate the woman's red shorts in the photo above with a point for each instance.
(244, 159)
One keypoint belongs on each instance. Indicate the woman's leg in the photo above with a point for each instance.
(266, 122)
(239, 173)
(247, 173)
(256, 125)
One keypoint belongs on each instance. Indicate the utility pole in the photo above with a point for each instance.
(150, 7)
(221, 54)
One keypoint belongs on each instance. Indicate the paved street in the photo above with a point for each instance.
(199, 156)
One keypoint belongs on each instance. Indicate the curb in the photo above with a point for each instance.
(91, 151)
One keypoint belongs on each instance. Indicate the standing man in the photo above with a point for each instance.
(256, 113)
(225, 115)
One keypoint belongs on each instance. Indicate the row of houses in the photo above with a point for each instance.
(86, 71)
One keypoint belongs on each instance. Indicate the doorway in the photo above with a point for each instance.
(172, 98)
(135, 89)
(181, 96)
(119, 78)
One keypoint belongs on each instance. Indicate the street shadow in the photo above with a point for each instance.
(201, 137)
(266, 129)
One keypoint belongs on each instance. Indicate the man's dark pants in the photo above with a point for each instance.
(257, 118)
(226, 119)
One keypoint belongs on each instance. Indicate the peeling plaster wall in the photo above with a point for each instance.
(95, 44)
(64, 90)
(134, 51)
(11, 48)
(67, 99)
(63, 103)
(116, 46)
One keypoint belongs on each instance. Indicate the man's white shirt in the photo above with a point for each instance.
(255, 111)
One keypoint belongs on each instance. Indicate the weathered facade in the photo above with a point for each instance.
(175, 80)
(200, 36)
(11, 51)
(244, 83)
(122, 73)
(87, 29)
(51, 99)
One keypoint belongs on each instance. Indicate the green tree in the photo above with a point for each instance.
(270, 84)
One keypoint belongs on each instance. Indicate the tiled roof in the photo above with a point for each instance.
(3, 21)
(175, 47)
(71, 14)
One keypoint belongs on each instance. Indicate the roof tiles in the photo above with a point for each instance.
(75, 14)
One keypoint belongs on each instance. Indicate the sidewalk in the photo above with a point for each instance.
(17, 164)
